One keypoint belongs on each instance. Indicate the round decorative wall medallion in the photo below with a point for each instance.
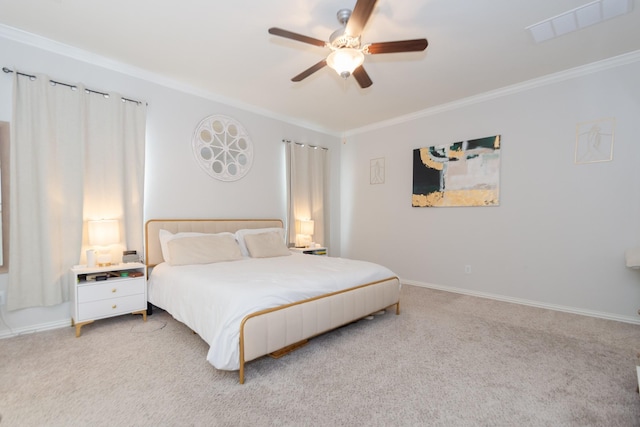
(222, 148)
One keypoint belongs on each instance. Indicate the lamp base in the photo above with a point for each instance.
(303, 240)
(104, 259)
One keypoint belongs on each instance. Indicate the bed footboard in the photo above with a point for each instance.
(267, 331)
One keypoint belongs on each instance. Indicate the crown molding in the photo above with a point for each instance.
(584, 70)
(44, 43)
(53, 46)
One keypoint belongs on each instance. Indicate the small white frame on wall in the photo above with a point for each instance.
(594, 141)
(376, 171)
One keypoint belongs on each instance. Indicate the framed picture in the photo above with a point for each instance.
(594, 141)
(376, 171)
(464, 173)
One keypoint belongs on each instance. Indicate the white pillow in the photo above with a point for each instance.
(266, 245)
(245, 231)
(204, 249)
(165, 236)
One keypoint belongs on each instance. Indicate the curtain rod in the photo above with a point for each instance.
(288, 141)
(72, 87)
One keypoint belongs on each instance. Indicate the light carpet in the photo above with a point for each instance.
(446, 360)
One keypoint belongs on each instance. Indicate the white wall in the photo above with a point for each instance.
(556, 240)
(175, 185)
(559, 235)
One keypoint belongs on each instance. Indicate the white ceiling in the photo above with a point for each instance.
(223, 49)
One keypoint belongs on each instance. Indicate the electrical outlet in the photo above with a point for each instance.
(2, 302)
(467, 269)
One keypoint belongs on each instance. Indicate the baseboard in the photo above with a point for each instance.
(14, 332)
(566, 309)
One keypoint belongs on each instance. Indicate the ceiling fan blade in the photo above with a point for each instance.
(359, 17)
(396, 47)
(362, 77)
(295, 36)
(306, 73)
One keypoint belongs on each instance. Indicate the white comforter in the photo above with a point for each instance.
(212, 299)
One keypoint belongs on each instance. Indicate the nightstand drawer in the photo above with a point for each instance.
(111, 307)
(123, 292)
(110, 289)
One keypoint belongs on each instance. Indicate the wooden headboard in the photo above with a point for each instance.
(153, 253)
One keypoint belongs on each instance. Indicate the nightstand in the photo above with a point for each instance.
(312, 251)
(101, 292)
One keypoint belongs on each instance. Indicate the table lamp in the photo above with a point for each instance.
(103, 233)
(304, 231)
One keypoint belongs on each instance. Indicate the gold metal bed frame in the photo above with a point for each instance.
(279, 330)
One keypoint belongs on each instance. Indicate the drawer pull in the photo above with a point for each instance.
(114, 290)
(113, 306)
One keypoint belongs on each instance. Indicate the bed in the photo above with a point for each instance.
(266, 301)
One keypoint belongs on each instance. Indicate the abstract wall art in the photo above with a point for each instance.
(464, 173)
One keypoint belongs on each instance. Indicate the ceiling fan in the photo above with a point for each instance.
(347, 50)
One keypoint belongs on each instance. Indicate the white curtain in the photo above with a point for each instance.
(308, 185)
(75, 155)
(114, 172)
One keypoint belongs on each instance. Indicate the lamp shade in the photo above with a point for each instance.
(104, 232)
(306, 227)
(345, 60)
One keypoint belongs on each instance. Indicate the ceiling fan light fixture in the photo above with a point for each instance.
(347, 51)
(345, 60)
